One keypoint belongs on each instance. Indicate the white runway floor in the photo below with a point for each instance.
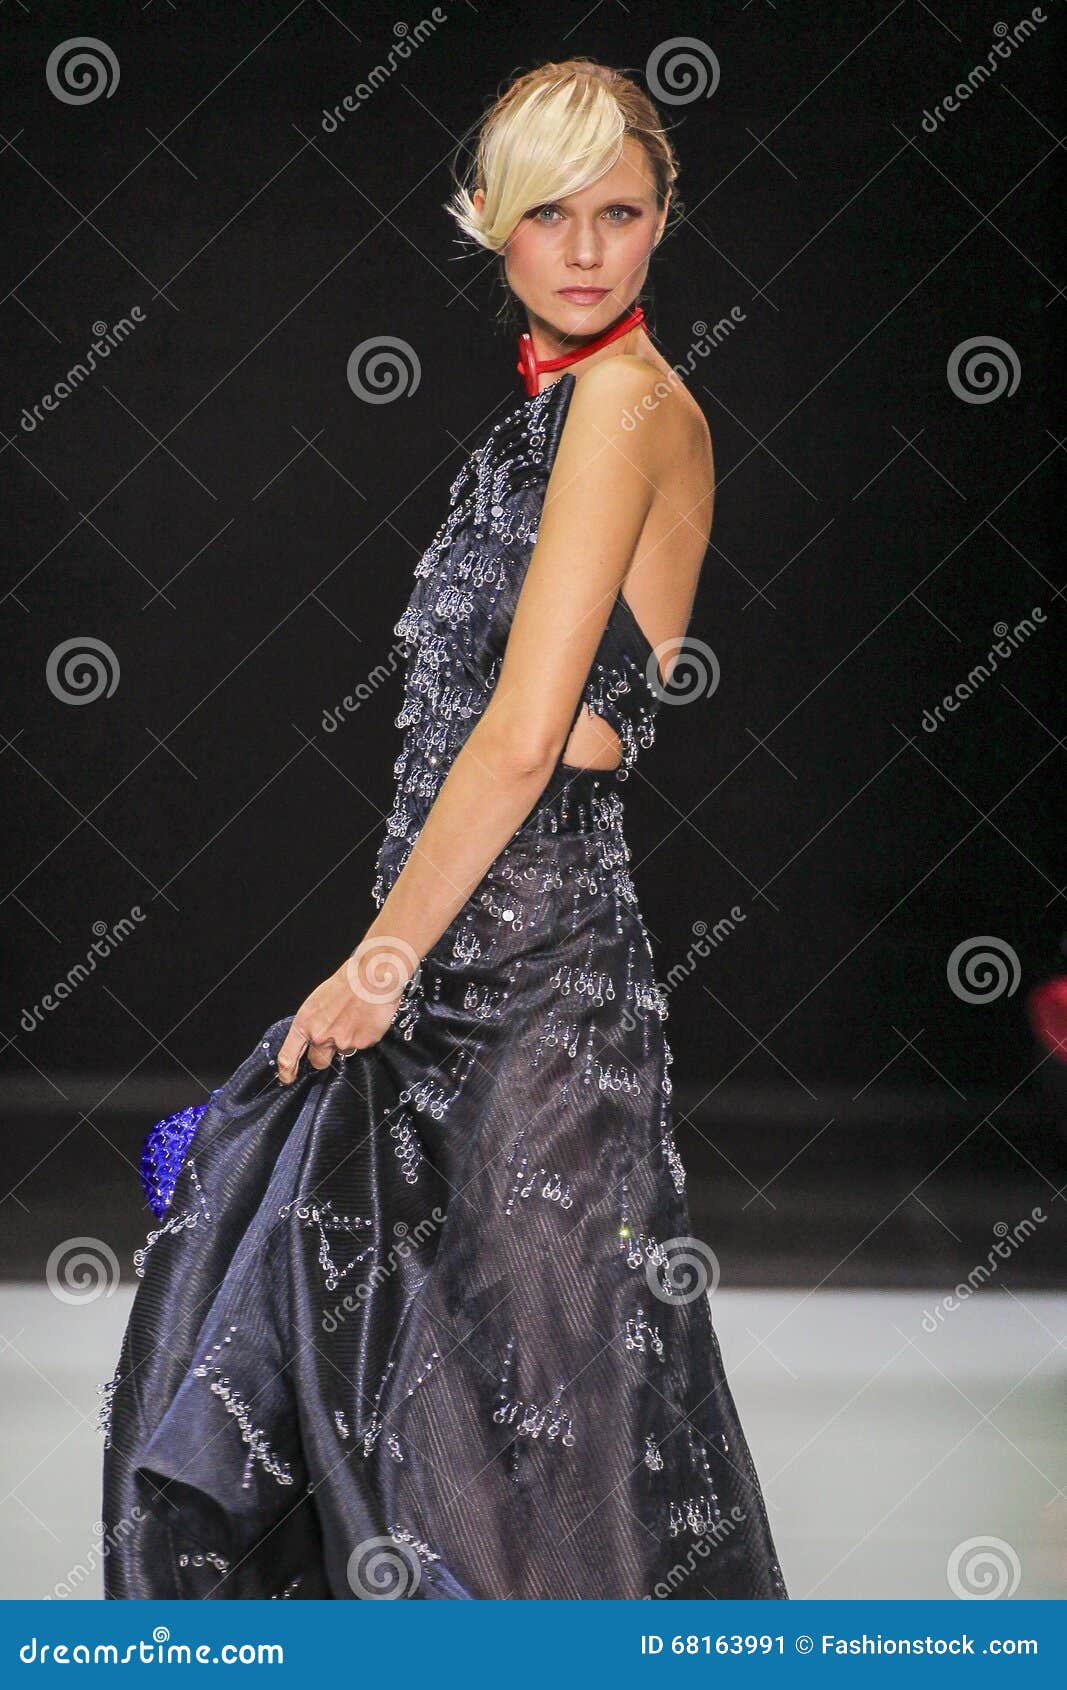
(882, 1447)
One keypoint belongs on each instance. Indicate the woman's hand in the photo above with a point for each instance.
(351, 1009)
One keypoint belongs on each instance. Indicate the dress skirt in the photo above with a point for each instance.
(431, 1323)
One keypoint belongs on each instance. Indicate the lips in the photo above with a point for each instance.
(584, 296)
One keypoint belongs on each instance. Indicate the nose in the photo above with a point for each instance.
(584, 247)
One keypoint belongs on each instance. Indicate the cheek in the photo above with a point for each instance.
(529, 266)
(634, 244)
(525, 253)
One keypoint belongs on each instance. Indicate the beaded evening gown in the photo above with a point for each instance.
(418, 1324)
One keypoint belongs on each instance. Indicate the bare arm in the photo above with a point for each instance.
(596, 501)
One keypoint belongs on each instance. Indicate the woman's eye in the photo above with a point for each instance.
(548, 213)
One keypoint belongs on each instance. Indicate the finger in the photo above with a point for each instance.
(320, 1056)
(351, 1047)
(296, 1042)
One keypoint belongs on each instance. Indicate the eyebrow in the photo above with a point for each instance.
(613, 199)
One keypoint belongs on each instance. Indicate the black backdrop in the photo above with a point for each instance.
(220, 510)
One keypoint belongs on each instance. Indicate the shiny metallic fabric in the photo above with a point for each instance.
(431, 1323)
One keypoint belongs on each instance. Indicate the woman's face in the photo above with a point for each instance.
(576, 263)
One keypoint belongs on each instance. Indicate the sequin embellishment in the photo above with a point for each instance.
(549, 1186)
(175, 1223)
(208, 1559)
(643, 1337)
(321, 1215)
(422, 1550)
(294, 1584)
(259, 1446)
(530, 1419)
(456, 620)
(692, 1512)
(103, 1414)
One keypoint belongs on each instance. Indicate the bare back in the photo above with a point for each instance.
(661, 582)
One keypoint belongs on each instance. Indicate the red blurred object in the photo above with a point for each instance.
(1046, 1007)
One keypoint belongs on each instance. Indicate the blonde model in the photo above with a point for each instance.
(420, 1319)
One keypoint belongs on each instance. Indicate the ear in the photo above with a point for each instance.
(478, 197)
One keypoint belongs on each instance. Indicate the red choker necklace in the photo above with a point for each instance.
(529, 366)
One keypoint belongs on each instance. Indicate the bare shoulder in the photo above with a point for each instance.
(629, 395)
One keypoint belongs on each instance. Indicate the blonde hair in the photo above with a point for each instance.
(552, 132)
